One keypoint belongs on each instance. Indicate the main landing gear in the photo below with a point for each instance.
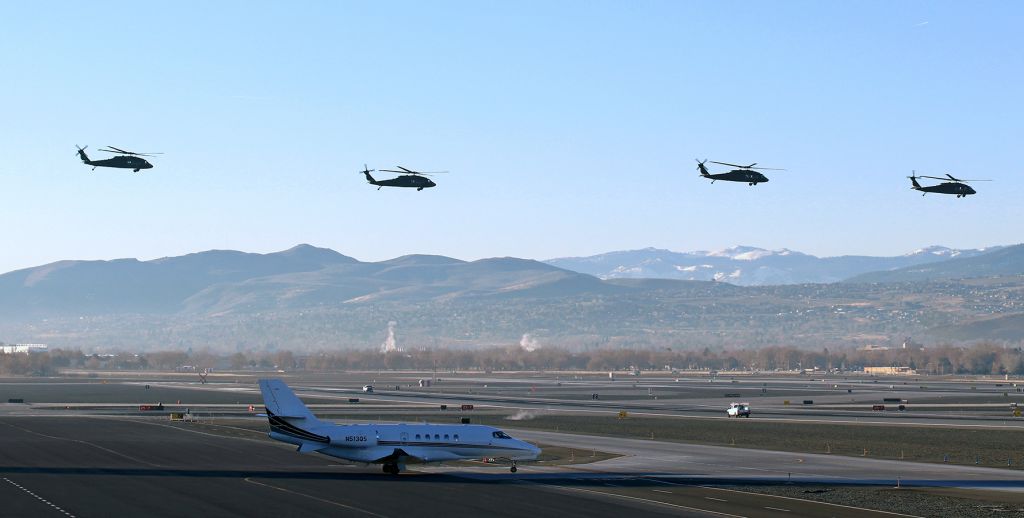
(391, 469)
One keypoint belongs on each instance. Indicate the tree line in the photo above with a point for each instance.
(979, 359)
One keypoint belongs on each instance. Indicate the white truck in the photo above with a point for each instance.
(738, 410)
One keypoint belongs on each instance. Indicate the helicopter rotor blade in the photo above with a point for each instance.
(112, 149)
(961, 180)
(955, 179)
(752, 167)
(410, 171)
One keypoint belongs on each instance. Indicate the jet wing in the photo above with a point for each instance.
(422, 454)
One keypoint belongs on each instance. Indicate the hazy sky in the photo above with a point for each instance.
(570, 128)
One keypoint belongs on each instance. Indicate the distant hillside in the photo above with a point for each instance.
(91, 287)
(310, 298)
(745, 265)
(223, 281)
(1000, 262)
(1007, 328)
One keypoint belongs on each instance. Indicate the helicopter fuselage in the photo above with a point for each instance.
(408, 180)
(121, 161)
(739, 175)
(957, 188)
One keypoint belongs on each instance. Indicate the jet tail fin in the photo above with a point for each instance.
(282, 402)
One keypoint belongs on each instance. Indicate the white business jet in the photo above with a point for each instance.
(392, 445)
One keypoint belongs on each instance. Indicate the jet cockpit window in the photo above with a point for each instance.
(501, 435)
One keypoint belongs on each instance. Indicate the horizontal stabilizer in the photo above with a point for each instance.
(308, 447)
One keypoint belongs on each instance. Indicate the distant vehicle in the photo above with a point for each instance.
(124, 160)
(367, 388)
(742, 173)
(950, 185)
(409, 178)
(738, 410)
(392, 445)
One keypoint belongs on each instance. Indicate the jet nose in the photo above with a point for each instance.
(532, 450)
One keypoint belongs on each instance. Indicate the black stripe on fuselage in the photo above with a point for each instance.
(446, 445)
(279, 425)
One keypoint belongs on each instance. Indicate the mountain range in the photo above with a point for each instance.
(310, 298)
(750, 266)
(219, 281)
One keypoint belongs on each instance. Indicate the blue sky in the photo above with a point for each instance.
(569, 128)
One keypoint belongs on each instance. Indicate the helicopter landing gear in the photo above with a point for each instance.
(752, 183)
(419, 189)
(135, 170)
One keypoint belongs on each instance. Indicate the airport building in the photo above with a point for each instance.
(22, 348)
(890, 371)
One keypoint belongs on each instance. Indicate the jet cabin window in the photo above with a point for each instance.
(501, 435)
(446, 437)
(417, 436)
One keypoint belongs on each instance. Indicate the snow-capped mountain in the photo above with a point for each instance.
(748, 265)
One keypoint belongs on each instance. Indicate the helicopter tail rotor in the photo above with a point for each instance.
(913, 180)
(701, 168)
(366, 172)
(81, 153)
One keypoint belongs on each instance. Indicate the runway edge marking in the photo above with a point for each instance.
(37, 497)
(645, 500)
(324, 500)
(810, 501)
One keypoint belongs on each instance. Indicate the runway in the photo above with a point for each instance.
(115, 466)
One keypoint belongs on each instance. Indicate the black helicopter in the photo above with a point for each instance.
(124, 160)
(409, 178)
(950, 185)
(743, 173)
